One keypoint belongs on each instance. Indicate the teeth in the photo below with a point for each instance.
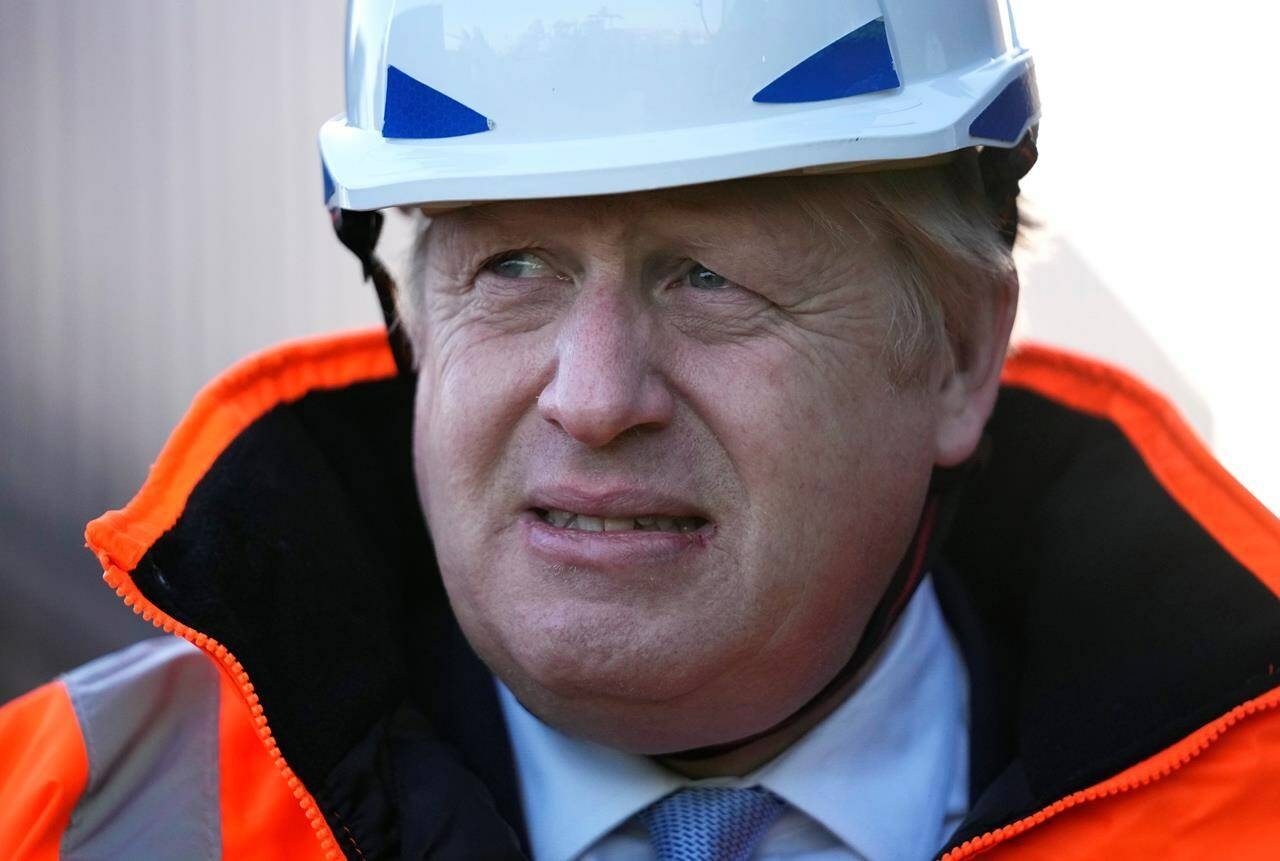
(648, 523)
(559, 518)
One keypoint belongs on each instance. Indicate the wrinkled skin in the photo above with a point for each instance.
(707, 347)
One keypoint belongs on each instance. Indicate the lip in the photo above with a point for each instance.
(619, 501)
(611, 552)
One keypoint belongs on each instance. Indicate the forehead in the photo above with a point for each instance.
(787, 209)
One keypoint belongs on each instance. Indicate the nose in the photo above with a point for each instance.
(606, 381)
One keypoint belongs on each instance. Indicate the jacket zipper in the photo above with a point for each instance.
(123, 584)
(1149, 771)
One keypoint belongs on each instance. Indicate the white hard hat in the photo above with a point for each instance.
(454, 101)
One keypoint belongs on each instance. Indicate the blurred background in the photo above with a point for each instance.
(160, 217)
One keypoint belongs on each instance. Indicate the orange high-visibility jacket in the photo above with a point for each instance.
(1113, 589)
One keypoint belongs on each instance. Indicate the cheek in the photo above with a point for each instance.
(474, 390)
(473, 397)
(473, 393)
(835, 469)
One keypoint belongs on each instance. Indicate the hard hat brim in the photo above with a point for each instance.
(922, 120)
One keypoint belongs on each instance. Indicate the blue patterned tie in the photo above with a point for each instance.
(710, 823)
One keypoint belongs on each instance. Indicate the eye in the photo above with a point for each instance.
(520, 264)
(703, 278)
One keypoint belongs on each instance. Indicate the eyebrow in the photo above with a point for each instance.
(697, 225)
(456, 243)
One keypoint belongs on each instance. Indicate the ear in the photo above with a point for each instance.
(967, 393)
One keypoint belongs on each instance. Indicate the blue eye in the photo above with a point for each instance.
(704, 279)
(521, 264)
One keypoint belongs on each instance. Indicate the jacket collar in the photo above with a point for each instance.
(1117, 587)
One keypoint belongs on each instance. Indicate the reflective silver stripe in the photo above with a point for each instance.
(149, 716)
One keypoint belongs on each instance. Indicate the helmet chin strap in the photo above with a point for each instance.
(1002, 170)
(359, 232)
(922, 553)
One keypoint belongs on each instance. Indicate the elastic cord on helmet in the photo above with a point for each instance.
(1002, 171)
(359, 232)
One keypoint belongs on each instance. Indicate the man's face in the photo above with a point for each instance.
(664, 470)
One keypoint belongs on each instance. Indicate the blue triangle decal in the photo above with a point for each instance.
(414, 110)
(856, 63)
(1008, 114)
(329, 188)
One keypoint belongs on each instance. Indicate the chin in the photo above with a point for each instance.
(648, 726)
(685, 656)
(607, 654)
(645, 698)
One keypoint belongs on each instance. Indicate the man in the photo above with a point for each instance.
(731, 551)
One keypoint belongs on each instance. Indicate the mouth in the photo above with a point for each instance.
(576, 521)
(618, 530)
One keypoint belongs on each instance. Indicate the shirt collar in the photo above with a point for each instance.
(575, 791)
(887, 772)
(892, 759)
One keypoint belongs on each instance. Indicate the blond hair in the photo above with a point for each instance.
(944, 253)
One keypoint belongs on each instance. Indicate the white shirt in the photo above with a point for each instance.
(885, 776)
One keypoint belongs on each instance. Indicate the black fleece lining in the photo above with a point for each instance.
(1100, 605)
(304, 551)
(1123, 626)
